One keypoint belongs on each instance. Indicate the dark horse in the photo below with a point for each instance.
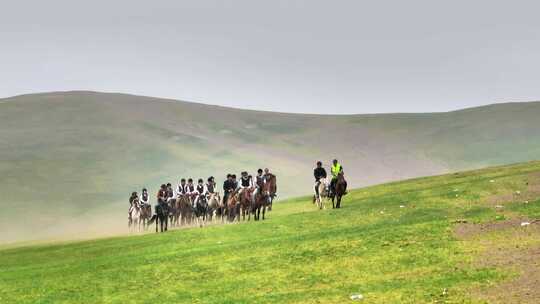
(265, 197)
(161, 216)
(341, 187)
(201, 209)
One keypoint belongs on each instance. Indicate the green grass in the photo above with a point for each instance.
(372, 246)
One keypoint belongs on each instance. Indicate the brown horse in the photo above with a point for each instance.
(146, 215)
(174, 212)
(341, 187)
(233, 206)
(265, 197)
(185, 210)
(246, 203)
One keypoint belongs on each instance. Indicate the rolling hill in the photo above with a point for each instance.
(466, 237)
(68, 160)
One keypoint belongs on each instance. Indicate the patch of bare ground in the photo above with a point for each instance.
(512, 228)
(517, 251)
(510, 255)
(525, 288)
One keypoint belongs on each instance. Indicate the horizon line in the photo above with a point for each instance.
(169, 99)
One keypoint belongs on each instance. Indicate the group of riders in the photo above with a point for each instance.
(202, 192)
(336, 188)
(245, 189)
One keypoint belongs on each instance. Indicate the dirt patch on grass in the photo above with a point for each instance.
(510, 257)
(513, 227)
(515, 250)
(522, 289)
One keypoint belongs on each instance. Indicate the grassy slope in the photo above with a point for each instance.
(73, 157)
(299, 255)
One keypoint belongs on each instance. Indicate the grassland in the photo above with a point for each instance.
(393, 243)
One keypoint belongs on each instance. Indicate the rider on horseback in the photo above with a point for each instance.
(246, 182)
(234, 182)
(181, 188)
(200, 191)
(144, 201)
(190, 189)
(336, 170)
(133, 197)
(228, 187)
(170, 192)
(319, 172)
(210, 185)
(259, 182)
(162, 195)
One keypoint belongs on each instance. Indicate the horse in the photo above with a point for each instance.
(134, 216)
(214, 204)
(271, 189)
(185, 209)
(322, 193)
(174, 212)
(161, 216)
(201, 209)
(146, 215)
(233, 207)
(246, 203)
(264, 197)
(341, 187)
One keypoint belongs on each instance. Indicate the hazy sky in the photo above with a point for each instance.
(293, 56)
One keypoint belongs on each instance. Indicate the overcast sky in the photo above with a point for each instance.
(292, 56)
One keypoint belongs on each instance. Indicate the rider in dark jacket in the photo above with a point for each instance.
(319, 172)
(228, 187)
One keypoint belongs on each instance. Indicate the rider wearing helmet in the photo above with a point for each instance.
(210, 185)
(200, 190)
(181, 188)
(259, 182)
(246, 182)
(162, 194)
(144, 201)
(228, 187)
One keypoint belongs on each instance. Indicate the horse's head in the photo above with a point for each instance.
(269, 188)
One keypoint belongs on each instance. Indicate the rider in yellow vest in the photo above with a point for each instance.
(335, 170)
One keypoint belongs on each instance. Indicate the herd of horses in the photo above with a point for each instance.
(236, 205)
(323, 192)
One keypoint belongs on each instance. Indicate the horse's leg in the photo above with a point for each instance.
(264, 211)
(166, 223)
(157, 222)
(339, 201)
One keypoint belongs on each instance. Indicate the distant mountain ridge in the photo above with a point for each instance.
(72, 157)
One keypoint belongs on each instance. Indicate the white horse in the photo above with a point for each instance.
(134, 216)
(323, 193)
(214, 203)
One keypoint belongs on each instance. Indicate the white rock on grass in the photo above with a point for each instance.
(357, 297)
(491, 181)
(401, 206)
(525, 224)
